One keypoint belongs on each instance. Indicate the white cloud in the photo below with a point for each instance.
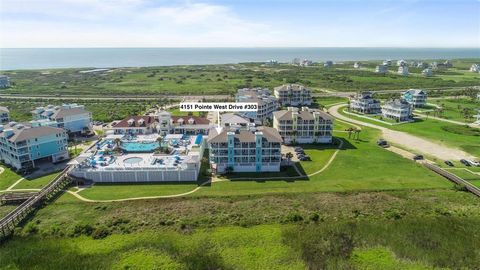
(103, 23)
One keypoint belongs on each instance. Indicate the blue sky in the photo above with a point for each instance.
(239, 23)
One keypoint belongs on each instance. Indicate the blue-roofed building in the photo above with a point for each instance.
(23, 146)
(416, 97)
(71, 117)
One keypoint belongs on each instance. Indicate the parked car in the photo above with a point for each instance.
(449, 163)
(382, 143)
(465, 162)
(305, 158)
(418, 157)
(473, 163)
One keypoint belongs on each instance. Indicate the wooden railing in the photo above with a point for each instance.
(452, 177)
(12, 219)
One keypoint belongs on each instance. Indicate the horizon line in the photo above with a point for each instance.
(250, 47)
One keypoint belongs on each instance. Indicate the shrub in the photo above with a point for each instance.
(100, 232)
(82, 229)
(314, 217)
(31, 228)
(460, 187)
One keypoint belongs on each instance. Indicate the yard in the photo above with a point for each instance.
(461, 137)
(458, 109)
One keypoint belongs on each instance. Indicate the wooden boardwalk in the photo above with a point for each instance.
(12, 219)
(15, 197)
(452, 177)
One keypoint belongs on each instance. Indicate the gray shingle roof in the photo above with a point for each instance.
(305, 115)
(293, 87)
(216, 135)
(64, 112)
(34, 132)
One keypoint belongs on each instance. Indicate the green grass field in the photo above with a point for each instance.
(39, 182)
(122, 191)
(454, 108)
(8, 178)
(225, 79)
(461, 137)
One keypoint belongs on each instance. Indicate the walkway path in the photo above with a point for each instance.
(408, 141)
(14, 184)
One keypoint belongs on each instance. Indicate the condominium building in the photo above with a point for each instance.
(303, 126)
(71, 117)
(416, 97)
(164, 123)
(398, 110)
(23, 147)
(233, 120)
(250, 149)
(475, 68)
(428, 72)
(422, 65)
(4, 115)
(135, 125)
(4, 81)
(381, 69)
(267, 103)
(365, 103)
(403, 70)
(293, 95)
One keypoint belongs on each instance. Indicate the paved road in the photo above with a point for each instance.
(408, 141)
(327, 93)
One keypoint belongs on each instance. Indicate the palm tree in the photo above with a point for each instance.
(160, 140)
(117, 142)
(349, 130)
(289, 157)
(357, 132)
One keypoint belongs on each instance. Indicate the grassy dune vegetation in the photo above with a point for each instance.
(225, 79)
(380, 230)
(102, 110)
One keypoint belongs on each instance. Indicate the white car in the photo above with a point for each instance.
(474, 163)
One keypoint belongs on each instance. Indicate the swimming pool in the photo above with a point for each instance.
(133, 160)
(139, 146)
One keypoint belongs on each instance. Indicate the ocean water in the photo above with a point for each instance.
(35, 58)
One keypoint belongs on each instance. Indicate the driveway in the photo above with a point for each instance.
(408, 141)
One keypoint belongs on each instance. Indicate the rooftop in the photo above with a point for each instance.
(244, 135)
(304, 113)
